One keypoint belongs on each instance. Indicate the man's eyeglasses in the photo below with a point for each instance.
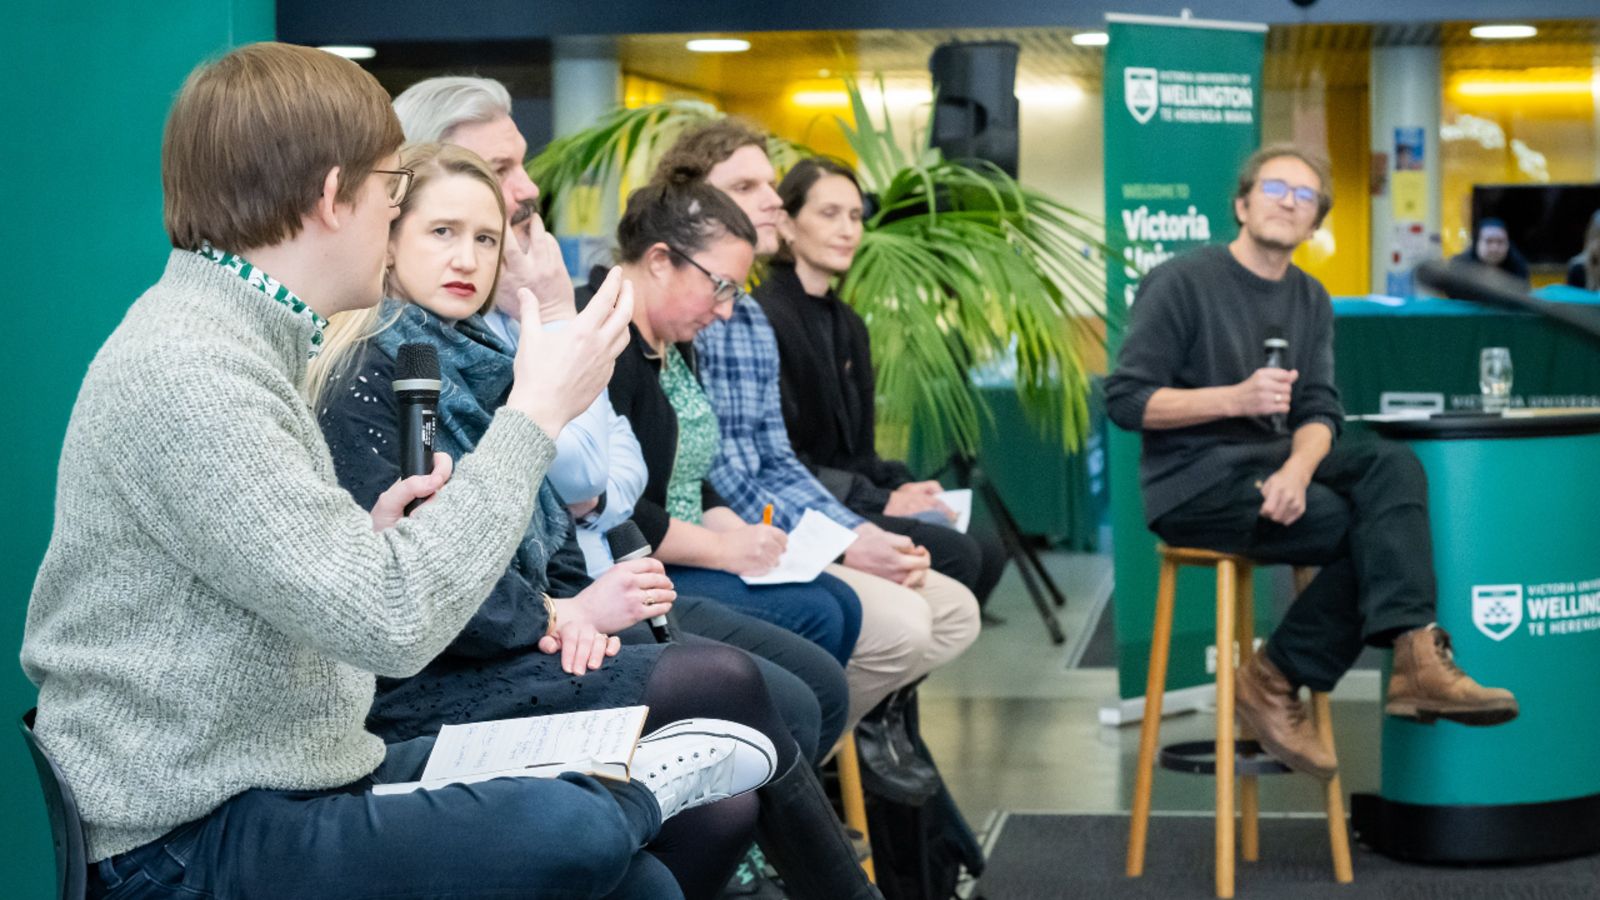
(1277, 189)
(399, 183)
(726, 291)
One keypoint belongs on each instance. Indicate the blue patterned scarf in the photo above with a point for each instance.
(476, 370)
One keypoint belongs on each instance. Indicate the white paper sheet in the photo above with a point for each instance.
(813, 544)
(959, 501)
(600, 740)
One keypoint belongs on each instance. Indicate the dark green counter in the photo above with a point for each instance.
(1513, 506)
(1431, 346)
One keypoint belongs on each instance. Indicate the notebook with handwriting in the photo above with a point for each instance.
(598, 742)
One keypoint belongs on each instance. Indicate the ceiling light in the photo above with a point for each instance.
(1503, 32)
(1091, 39)
(1552, 88)
(718, 45)
(350, 51)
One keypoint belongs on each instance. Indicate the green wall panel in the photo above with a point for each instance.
(86, 91)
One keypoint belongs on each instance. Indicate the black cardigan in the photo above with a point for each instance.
(829, 404)
(637, 395)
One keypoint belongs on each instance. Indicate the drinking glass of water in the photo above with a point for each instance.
(1494, 378)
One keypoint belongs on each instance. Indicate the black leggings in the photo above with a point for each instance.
(702, 846)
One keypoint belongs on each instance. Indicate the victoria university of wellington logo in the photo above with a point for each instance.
(1497, 609)
(1139, 92)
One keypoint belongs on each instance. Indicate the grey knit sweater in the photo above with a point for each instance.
(213, 606)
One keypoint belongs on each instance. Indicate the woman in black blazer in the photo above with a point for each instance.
(825, 355)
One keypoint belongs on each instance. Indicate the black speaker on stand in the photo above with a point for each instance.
(975, 118)
(975, 102)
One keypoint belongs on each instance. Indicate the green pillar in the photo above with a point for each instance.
(88, 85)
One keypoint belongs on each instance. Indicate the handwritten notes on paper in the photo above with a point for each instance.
(813, 544)
(598, 742)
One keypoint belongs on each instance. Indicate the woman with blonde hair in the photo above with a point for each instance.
(443, 262)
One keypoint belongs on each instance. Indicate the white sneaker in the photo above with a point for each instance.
(693, 762)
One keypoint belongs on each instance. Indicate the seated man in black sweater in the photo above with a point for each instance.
(1241, 457)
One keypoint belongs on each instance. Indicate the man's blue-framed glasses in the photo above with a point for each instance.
(1277, 189)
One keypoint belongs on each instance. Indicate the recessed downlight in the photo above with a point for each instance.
(350, 51)
(718, 45)
(1503, 32)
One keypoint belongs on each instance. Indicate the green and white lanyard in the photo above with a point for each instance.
(270, 286)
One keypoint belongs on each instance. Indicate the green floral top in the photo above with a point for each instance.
(697, 437)
(270, 286)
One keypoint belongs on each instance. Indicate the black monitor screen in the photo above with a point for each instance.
(1546, 221)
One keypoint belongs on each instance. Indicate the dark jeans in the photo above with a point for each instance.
(825, 612)
(977, 559)
(567, 837)
(806, 684)
(1365, 524)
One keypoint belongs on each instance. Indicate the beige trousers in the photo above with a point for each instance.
(905, 633)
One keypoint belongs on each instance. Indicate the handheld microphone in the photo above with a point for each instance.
(1489, 286)
(627, 542)
(416, 391)
(1277, 358)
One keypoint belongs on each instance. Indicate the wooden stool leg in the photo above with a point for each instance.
(855, 805)
(1249, 789)
(1227, 602)
(1338, 833)
(1150, 728)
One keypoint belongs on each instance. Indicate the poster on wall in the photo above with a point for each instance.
(1182, 112)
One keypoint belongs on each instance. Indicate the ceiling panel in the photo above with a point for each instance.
(1334, 55)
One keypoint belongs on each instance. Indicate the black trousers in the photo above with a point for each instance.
(976, 559)
(1365, 524)
(806, 684)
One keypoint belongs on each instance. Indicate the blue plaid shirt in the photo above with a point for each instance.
(738, 362)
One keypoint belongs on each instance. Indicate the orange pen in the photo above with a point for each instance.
(766, 515)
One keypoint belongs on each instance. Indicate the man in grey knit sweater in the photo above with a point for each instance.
(1241, 457)
(211, 611)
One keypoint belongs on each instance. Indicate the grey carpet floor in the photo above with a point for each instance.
(1039, 856)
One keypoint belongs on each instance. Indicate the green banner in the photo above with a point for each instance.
(1182, 111)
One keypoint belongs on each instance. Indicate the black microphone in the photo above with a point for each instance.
(1277, 358)
(627, 542)
(1478, 283)
(416, 391)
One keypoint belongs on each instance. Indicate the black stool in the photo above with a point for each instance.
(66, 828)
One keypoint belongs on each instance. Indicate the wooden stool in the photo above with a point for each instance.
(850, 793)
(1235, 623)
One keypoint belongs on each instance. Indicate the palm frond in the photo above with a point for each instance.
(960, 266)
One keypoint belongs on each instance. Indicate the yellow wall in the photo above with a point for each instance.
(1513, 126)
(1337, 255)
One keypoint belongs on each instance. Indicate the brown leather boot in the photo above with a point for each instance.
(1427, 684)
(1271, 708)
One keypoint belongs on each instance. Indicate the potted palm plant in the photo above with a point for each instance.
(960, 267)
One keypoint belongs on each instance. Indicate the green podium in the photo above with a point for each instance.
(1513, 504)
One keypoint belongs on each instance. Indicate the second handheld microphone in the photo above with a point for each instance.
(627, 542)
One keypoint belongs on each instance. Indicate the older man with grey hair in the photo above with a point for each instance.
(598, 459)
(476, 113)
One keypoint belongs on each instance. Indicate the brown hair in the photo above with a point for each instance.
(348, 331)
(796, 187)
(252, 136)
(697, 151)
(684, 215)
(1252, 168)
